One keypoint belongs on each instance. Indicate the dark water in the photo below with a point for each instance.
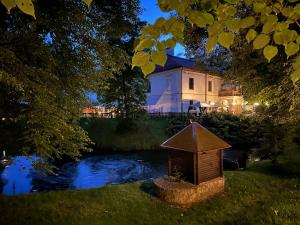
(95, 171)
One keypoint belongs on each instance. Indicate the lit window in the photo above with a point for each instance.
(191, 83)
(210, 86)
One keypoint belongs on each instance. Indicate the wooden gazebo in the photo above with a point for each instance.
(196, 154)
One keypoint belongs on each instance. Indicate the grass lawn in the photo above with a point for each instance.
(261, 194)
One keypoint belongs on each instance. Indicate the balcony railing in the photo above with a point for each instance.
(230, 93)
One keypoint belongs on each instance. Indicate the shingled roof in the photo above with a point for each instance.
(195, 138)
(175, 62)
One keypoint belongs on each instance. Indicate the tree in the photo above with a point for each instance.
(263, 41)
(47, 66)
(271, 25)
(127, 90)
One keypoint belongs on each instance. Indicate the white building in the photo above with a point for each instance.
(178, 85)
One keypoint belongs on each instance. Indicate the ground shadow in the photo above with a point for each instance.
(284, 170)
(147, 186)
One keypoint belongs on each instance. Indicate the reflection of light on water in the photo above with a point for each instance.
(16, 176)
(92, 172)
(86, 178)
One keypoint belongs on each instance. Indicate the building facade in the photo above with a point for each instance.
(178, 85)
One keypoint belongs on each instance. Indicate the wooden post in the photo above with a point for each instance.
(221, 163)
(195, 156)
(169, 164)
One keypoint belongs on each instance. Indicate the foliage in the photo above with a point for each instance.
(126, 90)
(247, 133)
(127, 134)
(26, 6)
(270, 25)
(47, 66)
(258, 195)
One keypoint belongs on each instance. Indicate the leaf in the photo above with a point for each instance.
(164, 5)
(288, 12)
(298, 40)
(233, 25)
(160, 46)
(214, 29)
(291, 49)
(268, 18)
(296, 63)
(251, 35)
(248, 22)
(270, 52)
(170, 43)
(140, 59)
(148, 68)
(88, 2)
(208, 5)
(9, 4)
(177, 27)
(144, 43)
(259, 7)
(201, 19)
(160, 22)
(159, 57)
(295, 76)
(268, 27)
(226, 39)
(26, 6)
(284, 37)
(232, 1)
(282, 26)
(230, 10)
(248, 2)
(261, 41)
(211, 43)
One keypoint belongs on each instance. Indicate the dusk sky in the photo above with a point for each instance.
(151, 12)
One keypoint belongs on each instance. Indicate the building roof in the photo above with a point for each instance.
(195, 138)
(176, 62)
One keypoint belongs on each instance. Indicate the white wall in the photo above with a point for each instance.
(200, 92)
(165, 91)
(167, 87)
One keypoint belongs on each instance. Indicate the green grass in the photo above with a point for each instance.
(104, 133)
(258, 195)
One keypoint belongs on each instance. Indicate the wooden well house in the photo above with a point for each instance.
(195, 154)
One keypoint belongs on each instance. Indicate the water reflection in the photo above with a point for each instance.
(91, 172)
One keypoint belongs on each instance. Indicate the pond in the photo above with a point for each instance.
(90, 172)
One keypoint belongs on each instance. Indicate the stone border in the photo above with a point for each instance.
(184, 194)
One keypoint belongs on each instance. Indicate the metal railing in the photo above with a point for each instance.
(230, 93)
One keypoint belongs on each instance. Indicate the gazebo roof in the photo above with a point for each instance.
(195, 138)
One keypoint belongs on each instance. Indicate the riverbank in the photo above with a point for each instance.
(110, 135)
(262, 194)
